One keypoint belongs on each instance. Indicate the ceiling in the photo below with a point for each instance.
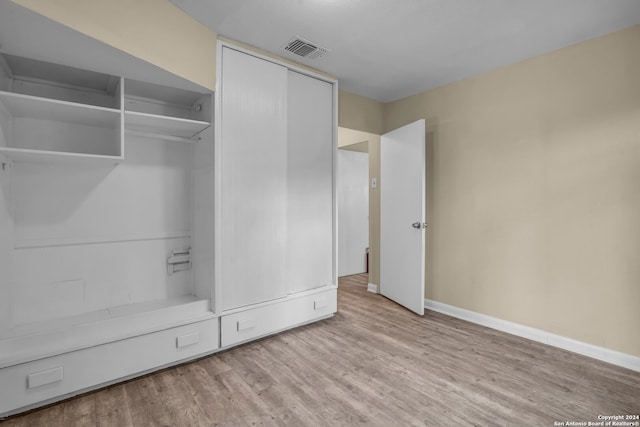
(389, 49)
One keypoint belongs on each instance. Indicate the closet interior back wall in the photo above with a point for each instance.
(89, 237)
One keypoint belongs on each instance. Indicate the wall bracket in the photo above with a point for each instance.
(179, 260)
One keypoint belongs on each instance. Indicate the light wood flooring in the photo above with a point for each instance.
(373, 363)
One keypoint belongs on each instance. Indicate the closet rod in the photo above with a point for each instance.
(160, 136)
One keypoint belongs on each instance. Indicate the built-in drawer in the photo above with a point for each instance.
(44, 380)
(255, 322)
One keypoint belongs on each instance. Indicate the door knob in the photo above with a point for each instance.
(417, 225)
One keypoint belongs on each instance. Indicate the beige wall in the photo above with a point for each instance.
(153, 30)
(361, 147)
(360, 113)
(533, 193)
(348, 137)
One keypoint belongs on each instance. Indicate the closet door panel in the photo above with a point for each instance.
(310, 183)
(254, 180)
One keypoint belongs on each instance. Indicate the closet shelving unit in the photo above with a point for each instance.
(174, 127)
(102, 179)
(27, 118)
(166, 116)
(38, 108)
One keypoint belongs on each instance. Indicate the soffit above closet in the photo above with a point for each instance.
(33, 69)
(26, 34)
(389, 49)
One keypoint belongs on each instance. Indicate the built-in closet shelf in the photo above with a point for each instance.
(42, 156)
(35, 341)
(163, 126)
(34, 107)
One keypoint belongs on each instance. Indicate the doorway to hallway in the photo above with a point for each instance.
(353, 211)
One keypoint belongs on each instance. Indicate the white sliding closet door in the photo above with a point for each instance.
(253, 180)
(310, 183)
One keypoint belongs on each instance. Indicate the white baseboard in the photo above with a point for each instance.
(590, 350)
(372, 288)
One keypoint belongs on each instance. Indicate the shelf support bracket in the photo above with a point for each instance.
(179, 260)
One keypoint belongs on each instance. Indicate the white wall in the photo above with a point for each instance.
(353, 211)
(88, 237)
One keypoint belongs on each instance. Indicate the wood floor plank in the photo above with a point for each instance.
(262, 377)
(144, 403)
(82, 412)
(112, 407)
(177, 399)
(373, 363)
(334, 384)
(200, 392)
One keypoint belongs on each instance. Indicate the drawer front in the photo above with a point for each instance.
(45, 379)
(256, 322)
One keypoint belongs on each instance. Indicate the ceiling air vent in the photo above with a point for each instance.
(305, 48)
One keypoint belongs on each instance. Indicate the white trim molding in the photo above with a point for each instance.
(611, 356)
(372, 288)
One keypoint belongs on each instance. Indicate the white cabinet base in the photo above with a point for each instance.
(43, 381)
(267, 319)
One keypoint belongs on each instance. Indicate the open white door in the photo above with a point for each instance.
(402, 215)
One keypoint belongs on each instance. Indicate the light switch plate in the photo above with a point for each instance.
(374, 182)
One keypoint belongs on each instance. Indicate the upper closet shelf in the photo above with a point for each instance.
(43, 156)
(163, 126)
(34, 107)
